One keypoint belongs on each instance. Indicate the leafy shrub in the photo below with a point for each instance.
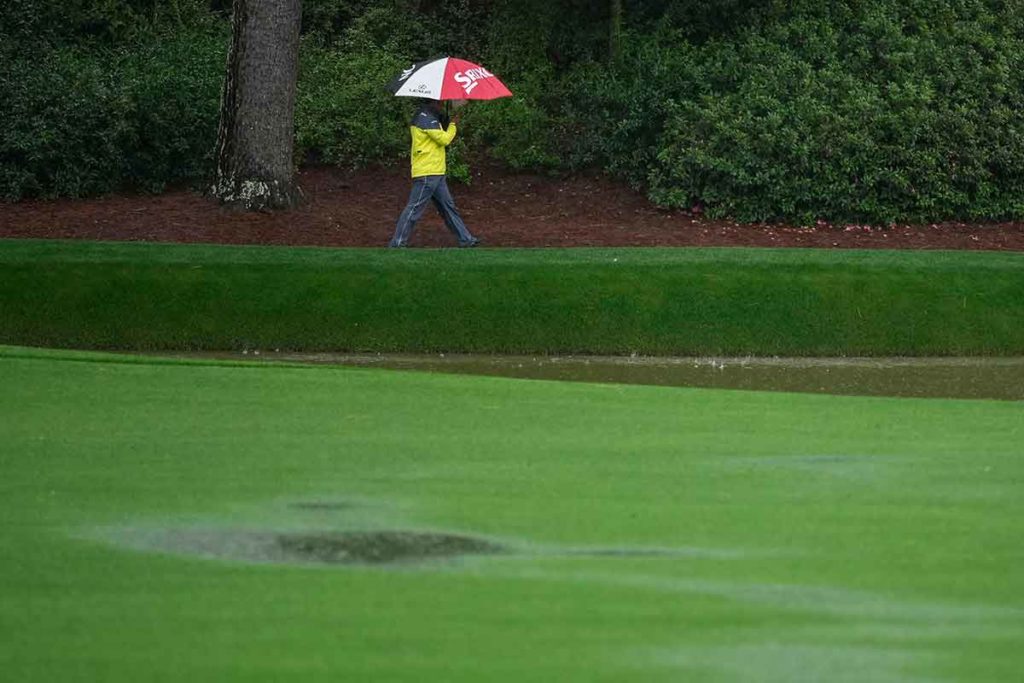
(85, 122)
(878, 111)
(325, 22)
(882, 113)
(175, 88)
(701, 20)
(66, 125)
(518, 131)
(343, 115)
(415, 29)
(615, 115)
(32, 25)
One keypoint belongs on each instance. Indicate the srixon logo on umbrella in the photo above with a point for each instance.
(469, 79)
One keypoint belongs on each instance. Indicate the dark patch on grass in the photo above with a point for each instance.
(321, 505)
(308, 547)
(380, 547)
(360, 548)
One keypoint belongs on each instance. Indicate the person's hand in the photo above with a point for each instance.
(456, 119)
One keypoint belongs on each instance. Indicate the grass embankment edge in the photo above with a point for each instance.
(760, 302)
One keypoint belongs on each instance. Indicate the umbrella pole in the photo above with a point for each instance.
(448, 112)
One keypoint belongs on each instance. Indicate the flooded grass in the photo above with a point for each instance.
(316, 548)
(365, 548)
(294, 522)
(970, 378)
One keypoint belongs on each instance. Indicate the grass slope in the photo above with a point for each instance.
(819, 538)
(603, 301)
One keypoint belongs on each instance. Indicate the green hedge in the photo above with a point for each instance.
(342, 115)
(601, 301)
(873, 111)
(84, 122)
(876, 111)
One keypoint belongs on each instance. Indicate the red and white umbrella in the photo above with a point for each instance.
(448, 78)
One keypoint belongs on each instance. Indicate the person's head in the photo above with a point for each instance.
(433, 105)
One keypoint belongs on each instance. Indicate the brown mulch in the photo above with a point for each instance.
(505, 209)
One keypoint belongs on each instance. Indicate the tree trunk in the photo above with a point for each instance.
(256, 137)
(614, 29)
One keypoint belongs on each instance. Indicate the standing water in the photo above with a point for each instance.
(977, 378)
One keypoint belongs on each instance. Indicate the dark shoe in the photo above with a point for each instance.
(475, 242)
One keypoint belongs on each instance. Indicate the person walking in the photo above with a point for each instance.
(431, 133)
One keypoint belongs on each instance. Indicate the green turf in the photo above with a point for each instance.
(820, 538)
(602, 301)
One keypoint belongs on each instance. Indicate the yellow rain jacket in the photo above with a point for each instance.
(429, 139)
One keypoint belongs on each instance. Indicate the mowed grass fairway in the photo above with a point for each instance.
(788, 537)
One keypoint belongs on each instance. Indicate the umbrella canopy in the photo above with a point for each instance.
(448, 78)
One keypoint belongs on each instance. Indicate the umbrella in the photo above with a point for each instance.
(448, 78)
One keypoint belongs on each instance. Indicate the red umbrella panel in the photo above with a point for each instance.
(448, 78)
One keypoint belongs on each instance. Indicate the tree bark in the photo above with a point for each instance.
(256, 137)
(614, 29)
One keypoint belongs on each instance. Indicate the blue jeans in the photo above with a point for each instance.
(430, 188)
